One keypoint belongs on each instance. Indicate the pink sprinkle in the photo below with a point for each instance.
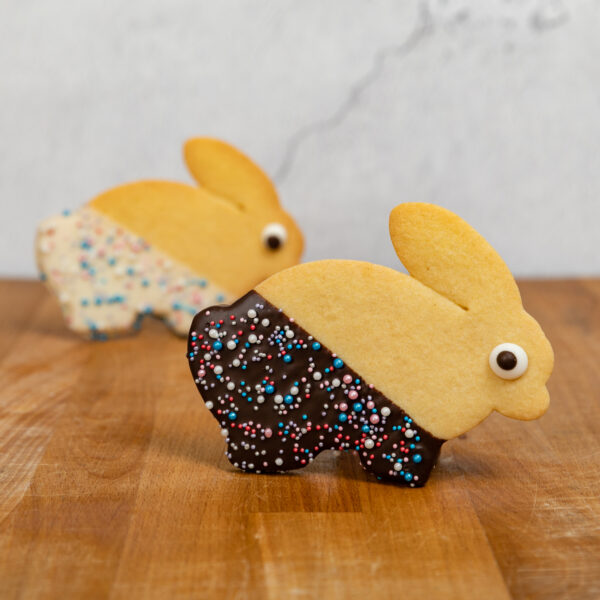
(343, 406)
(347, 378)
(353, 394)
(374, 419)
(370, 404)
(268, 432)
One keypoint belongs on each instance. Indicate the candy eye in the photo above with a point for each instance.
(508, 361)
(274, 236)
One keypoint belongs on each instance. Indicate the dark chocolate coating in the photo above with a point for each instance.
(283, 397)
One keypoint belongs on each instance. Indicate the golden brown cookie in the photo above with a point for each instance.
(351, 355)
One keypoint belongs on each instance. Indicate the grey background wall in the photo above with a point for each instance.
(490, 108)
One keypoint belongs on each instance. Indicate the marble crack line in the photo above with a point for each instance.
(422, 29)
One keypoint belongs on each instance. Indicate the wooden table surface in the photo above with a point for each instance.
(114, 483)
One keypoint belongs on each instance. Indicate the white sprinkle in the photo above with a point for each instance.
(278, 399)
(236, 362)
(409, 433)
(213, 333)
(317, 376)
(289, 334)
(279, 461)
(260, 399)
(252, 313)
(231, 345)
(218, 370)
(224, 432)
(207, 356)
(231, 385)
(397, 467)
(266, 322)
(294, 390)
(252, 338)
(385, 411)
(336, 382)
(369, 444)
(209, 405)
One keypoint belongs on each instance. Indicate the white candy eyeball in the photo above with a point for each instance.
(508, 361)
(274, 236)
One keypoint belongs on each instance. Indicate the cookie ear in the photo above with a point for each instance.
(446, 254)
(228, 173)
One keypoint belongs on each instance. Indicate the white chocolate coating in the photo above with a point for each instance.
(106, 277)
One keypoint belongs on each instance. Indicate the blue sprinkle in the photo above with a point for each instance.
(244, 367)
(85, 245)
(338, 363)
(288, 399)
(304, 417)
(84, 302)
(202, 283)
(357, 406)
(287, 358)
(269, 389)
(316, 346)
(418, 438)
(343, 417)
(366, 428)
(176, 306)
(417, 458)
(217, 345)
(408, 476)
(42, 276)
(111, 261)
(145, 282)
(220, 298)
(130, 271)
(280, 424)
(98, 301)
(232, 416)
(289, 346)
(66, 212)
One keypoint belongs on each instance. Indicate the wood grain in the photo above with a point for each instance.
(113, 482)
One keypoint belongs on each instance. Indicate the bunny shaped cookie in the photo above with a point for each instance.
(168, 249)
(340, 354)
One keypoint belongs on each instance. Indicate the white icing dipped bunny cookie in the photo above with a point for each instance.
(168, 249)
